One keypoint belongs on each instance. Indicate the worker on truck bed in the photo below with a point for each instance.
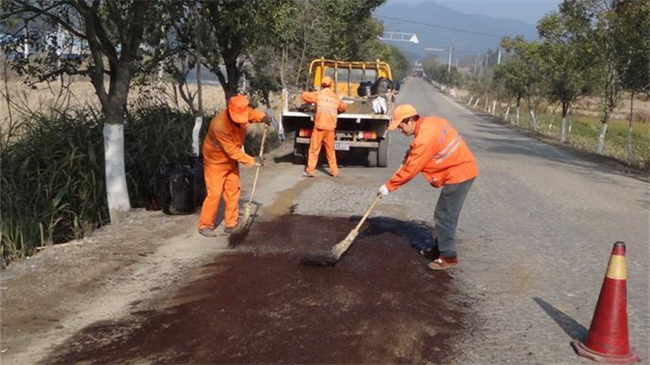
(441, 155)
(328, 105)
(222, 153)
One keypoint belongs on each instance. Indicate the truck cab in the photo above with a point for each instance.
(366, 88)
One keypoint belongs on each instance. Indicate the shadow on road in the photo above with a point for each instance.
(569, 325)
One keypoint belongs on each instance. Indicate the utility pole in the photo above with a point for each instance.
(499, 57)
(449, 62)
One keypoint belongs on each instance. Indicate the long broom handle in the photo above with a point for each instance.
(365, 216)
(257, 172)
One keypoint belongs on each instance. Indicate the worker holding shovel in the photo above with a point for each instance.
(440, 154)
(328, 105)
(222, 154)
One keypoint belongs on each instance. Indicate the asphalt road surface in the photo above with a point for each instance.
(535, 236)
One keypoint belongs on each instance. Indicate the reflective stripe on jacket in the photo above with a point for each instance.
(224, 140)
(328, 105)
(439, 152)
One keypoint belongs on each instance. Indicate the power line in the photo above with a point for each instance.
(440, 26)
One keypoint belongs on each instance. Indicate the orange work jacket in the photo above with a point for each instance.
(328, 105)
(439, 153)
(224, 140)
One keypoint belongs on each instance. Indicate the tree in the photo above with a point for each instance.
(568, 71)
(592, 25)
(113, 31)
(631, 26)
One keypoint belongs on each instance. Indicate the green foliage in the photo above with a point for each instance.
(53, 174)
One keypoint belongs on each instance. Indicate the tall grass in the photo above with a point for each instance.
(52, 174)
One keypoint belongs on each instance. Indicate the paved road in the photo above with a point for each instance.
(535, 237)
(536, 233)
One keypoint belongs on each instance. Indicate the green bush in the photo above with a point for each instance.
(53, 173)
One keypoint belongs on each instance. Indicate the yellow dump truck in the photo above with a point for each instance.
(367, 89)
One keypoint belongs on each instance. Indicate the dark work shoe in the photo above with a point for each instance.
(430, 253)
(306, 174)
(207, 232)
(443, 263)
(229, 230)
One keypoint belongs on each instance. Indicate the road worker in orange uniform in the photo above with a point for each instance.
(328, 105)
(222, 154)
(440, 154)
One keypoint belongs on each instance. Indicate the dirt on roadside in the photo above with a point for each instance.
(258, 304)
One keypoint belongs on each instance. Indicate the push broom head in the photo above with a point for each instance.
(240, 232)
(330, 258)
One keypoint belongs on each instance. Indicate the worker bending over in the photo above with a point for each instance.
(222, 154)
(328, 105)
(441, 155)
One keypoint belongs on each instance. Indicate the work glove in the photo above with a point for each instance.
(268, 120)
(383, 191)
(259, 162)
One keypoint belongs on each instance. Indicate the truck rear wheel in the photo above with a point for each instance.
(371, 157)
(382, 152)
(299, 151)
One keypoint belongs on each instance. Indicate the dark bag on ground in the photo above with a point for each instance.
(178, 190)
(196, 165)
(382, 86)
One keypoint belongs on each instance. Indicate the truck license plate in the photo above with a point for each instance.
(341, 146)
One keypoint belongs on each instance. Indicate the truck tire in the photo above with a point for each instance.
(371, 157)
(382, 153)
(299, 156)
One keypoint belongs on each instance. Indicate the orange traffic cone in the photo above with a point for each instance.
(608, 335)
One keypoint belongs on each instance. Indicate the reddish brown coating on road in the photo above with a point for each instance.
(258, 305)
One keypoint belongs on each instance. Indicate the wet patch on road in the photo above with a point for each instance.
(258, 305)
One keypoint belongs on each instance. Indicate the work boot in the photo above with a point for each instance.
(443, 263)
(430, 253)
(207, 232)
(307, 174)
(229, 230)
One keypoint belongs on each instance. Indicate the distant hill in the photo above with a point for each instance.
(465, 44)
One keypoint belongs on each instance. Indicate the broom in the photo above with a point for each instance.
(331, 257)
(241, 230)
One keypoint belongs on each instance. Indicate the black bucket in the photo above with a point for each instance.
(178, 190)
(382, 86)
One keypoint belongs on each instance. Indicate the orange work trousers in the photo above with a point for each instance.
(320, 137)
(220, 179)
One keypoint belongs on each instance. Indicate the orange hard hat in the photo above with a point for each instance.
(401, 112)
(326, 81)
(238, 109)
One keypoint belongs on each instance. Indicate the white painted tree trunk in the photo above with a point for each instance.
(470, 100)
(494, 107)
(486, 104)
(198, 123)
(476, 103)
(601, 138)
(562, 130)
(507, 112)
(517, 116)
(533, 120)
(570, 121)
(116, 189)
(630, 153)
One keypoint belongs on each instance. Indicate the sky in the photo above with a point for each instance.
(528, 11)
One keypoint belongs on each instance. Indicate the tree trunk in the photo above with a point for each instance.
(533, 120)
(518, 111)
(198, 117)
(470, 100)
(116, 188)
(565, 108)
(601, 135)
(507, 112)
(630, 155)
(570, 120)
